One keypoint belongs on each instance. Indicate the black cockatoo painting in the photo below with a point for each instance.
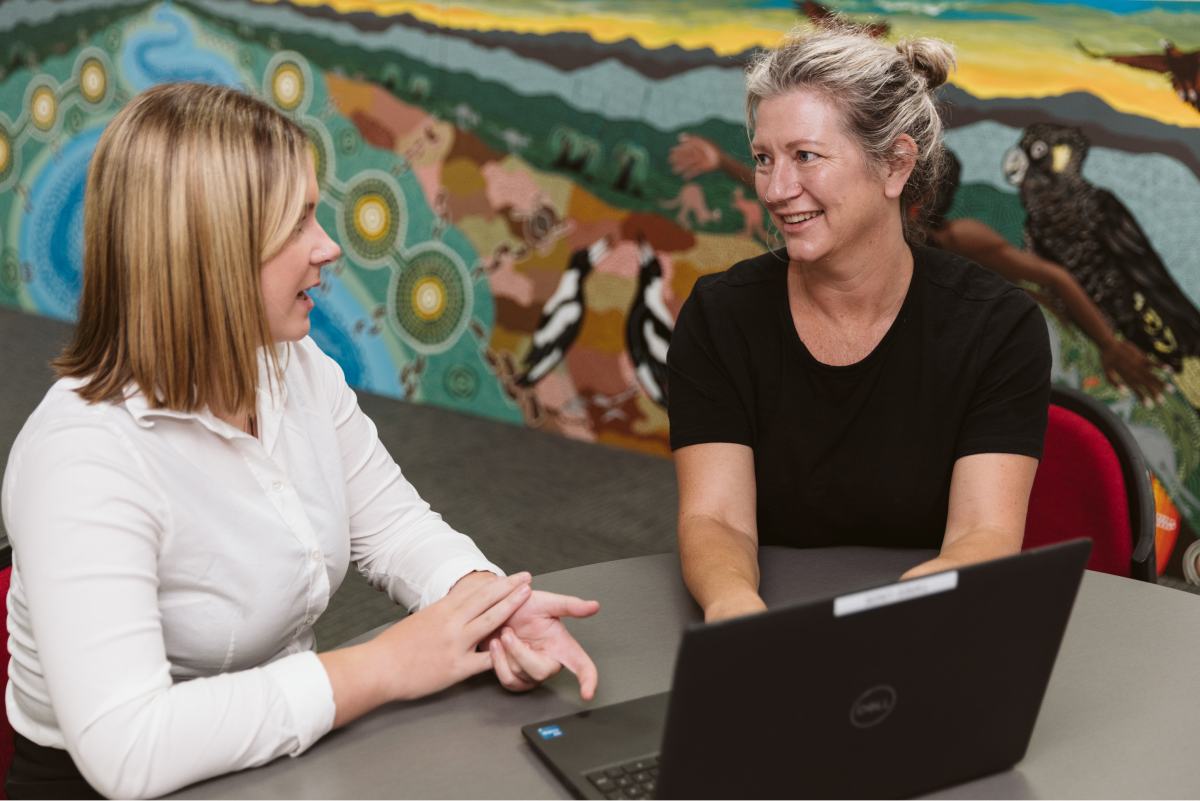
(1090, 232)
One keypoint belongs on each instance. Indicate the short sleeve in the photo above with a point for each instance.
(705, 404)
(1009, 407)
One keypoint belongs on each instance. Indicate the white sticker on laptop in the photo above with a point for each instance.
(894, 593)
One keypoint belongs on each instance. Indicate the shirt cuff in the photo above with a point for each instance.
(448, 574)
(304, 684)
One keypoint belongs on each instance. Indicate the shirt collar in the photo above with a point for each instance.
(270, 404)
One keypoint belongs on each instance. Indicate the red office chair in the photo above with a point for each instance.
(1093, 482)
(6, 729)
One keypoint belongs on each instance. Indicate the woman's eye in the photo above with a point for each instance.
(761, 159)
(805, 156)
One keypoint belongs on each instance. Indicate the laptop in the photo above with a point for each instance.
(890, 692)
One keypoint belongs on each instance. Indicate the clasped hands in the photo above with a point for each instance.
(488, 623)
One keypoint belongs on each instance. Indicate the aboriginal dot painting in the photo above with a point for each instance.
(505, 180)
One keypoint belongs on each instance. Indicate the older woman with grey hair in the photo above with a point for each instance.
(853, 387)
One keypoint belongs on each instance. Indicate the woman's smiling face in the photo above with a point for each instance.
(288, 275)
(817, 186)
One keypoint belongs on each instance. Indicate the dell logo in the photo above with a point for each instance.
(870, 708)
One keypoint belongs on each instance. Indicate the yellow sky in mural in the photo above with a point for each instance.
(712, 29)
(997, 58)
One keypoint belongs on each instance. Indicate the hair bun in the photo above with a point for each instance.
(931, 58)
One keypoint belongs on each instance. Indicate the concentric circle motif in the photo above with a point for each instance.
(43, 108)
(372, 220)
(287, 86)
(10, 160)
(461, 382)
(372, 217)
(349, 141)
(93, 80)
(431, 300)
(113, 39)
(75, 120)
(314, 153)
(288, 82)
(6, 154)
(10, 273)
(320, 147)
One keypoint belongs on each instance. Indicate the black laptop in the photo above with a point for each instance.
(884, 693)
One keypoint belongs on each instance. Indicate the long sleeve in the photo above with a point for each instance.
(169, 569)
(86, 517)
(401, 545)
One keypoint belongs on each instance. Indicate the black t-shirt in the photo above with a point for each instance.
(861, 454)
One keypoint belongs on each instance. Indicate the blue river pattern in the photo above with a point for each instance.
(170, 53)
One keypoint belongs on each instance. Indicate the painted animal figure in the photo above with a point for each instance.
(1182, 68)
(648, 327)
(1090, 232)
(690, 201)
(824, 17)
(752, 213)
(562, 316)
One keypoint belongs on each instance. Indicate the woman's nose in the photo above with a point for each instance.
(327, 251)
(781, 186)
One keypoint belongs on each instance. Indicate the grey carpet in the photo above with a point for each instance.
(531, 501)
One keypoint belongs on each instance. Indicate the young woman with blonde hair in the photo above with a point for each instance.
(188, 496)
(853, 388)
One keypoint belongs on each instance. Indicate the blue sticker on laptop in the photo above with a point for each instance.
(548, 732)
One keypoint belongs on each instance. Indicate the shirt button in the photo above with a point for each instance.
(308, 621)
(316, 556)
(277, 486)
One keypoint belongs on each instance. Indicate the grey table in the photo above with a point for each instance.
(1121, 718)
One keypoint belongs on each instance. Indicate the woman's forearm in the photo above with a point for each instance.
(980, 545)
(720, 568)
(357, 681)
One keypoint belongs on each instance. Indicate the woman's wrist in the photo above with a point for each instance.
(473, 579)
(359, 681)
(937, 564)
(735, 604)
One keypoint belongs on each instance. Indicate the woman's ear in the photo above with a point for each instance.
(904, 159)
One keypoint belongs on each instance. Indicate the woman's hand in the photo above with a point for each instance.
(437, 647)
(534, 644)
(427, 651)
(1126, 365)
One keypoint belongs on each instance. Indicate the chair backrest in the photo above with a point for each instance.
(6, 730)
(1093, 482)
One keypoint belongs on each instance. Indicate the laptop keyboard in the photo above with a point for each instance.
(636, 779)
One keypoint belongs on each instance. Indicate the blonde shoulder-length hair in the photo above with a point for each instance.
(191, 188)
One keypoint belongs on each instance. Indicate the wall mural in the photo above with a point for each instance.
(526, 198)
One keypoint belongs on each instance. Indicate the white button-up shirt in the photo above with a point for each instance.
(168, 569)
